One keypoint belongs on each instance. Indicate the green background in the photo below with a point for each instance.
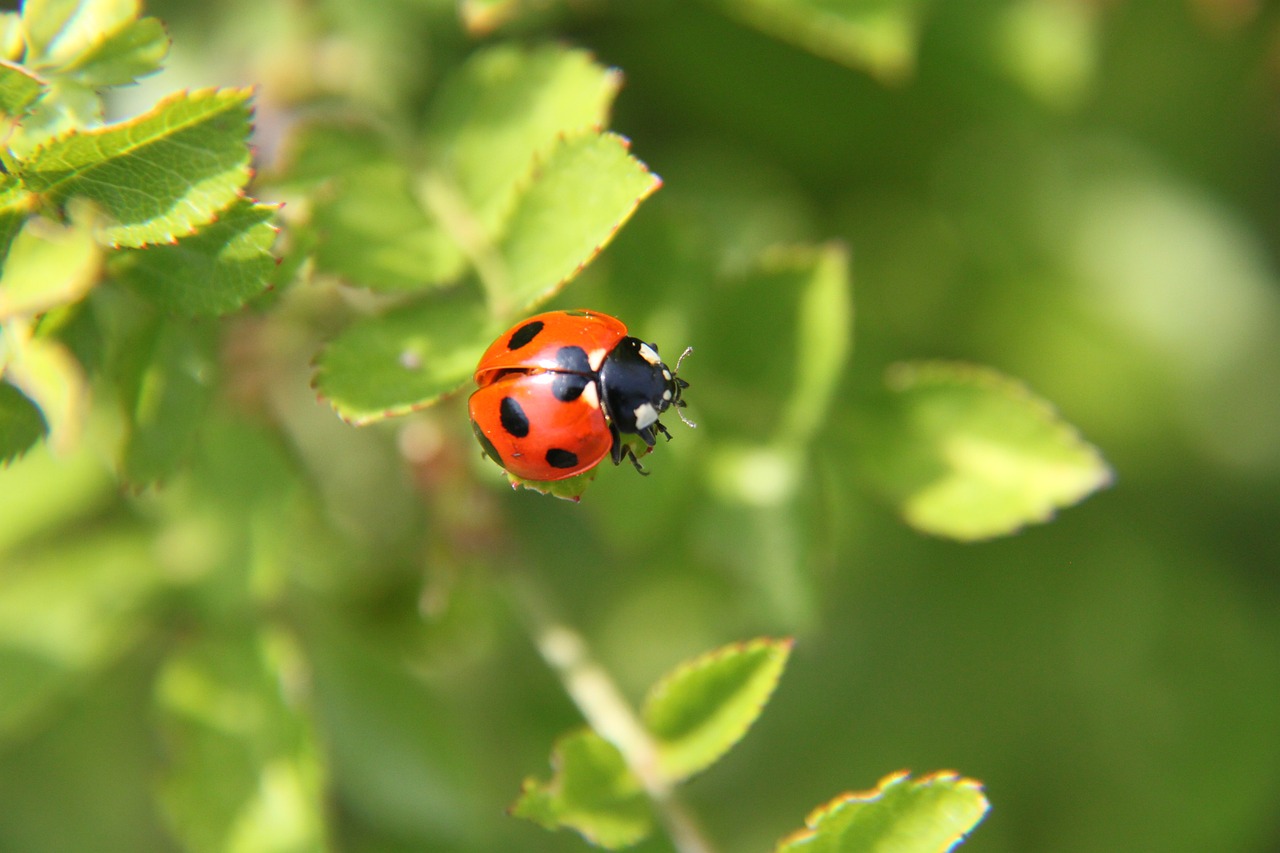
(1090, 207)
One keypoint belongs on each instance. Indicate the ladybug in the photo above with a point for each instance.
(558, 391)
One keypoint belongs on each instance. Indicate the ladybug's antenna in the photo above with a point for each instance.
(680, 404)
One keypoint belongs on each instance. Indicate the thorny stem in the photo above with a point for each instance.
(592, 689)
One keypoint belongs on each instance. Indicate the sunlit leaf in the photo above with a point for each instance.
(49, 376)
(103, 43)
(47, 265)
(591, 792)
(66, 106)
(928, 815)
(123, 56)
(505, 109)
(580, 196)
(155, 177)
(404, 359)
(19, 89)
(706, 705)
(879, 36)
(243, 769)
(21, 425)
(64, 615)
(215, 270)
(968, 453)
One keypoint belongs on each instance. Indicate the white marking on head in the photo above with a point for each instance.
(646, 415)
(649, 354)
(666, 395)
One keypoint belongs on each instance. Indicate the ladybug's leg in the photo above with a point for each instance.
(621, 451)
(630, 454)
(660, 428)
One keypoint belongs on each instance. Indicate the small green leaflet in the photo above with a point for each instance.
(101, 43)
(592, 792)
(414, 354)
(19, 89)
(504, 111)
(578, 199)
(156, 177)
(47, 265)
(694, 715)
(968, 453)
(21, 425)
(928, 815)
(212, 272)
(702, 708)
(374, 233)
(49, 376)
(404, 359)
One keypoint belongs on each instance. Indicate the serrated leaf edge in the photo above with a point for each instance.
(525, 185)
(244, 94)
(813, 821)
(903, 376)
(779, 646)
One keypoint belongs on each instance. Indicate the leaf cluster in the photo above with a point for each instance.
(94, 213)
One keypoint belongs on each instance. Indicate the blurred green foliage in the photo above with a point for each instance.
(222, 594)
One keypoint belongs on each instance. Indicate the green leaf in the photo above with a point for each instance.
(16, 205)
(47, 265)
(65, 615)
(405, 359)
(321, 149)
(569, 489)
(11, 40)
(123, 56)
(580, 196)
(19, 89)
(505, 109)
(101, 43)
(21, 425)
(212, 272)
(705, 706)
(879, 36)
(928, 815)
(591, 792)
(49, 376)
(374, 233)
(66, 106)
(245, 771)
(824, 334)
(157, 176)
(968, 453)
(170, 402)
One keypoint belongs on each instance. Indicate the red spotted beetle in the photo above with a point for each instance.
(558, 391)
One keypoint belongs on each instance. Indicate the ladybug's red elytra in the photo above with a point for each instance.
(558, 390)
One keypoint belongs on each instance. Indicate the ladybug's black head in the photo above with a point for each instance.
(637, 388)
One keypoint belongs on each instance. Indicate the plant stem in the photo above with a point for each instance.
(605, 709)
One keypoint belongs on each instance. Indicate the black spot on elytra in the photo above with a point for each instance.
(485, 444)
(568, 387)
(513, 417)
(572, 360)
(558, 458)
(523, 335)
